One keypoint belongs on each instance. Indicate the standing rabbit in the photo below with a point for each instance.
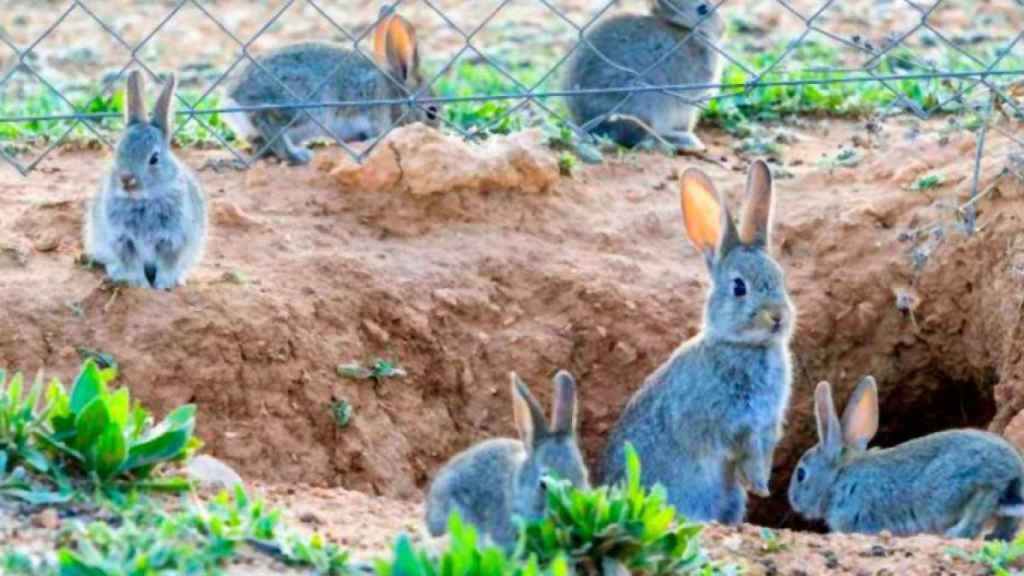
(148, 224)
(319, 72)
(496, 481)
(674, 45)
(705, 423)
(947, 483)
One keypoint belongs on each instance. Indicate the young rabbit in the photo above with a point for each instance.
(946, 483)
(621, 47)
(319, 72)
(148, 223)
(496, 481)
(705, 423)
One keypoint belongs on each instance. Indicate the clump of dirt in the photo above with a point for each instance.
(459, 287)
(420, 161)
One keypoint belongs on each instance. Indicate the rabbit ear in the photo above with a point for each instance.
(828, 423)
(164, 112)
(756, 218)
(135, 108)
(564, 413)
(529, 417)
(705, 216)
(860, 418)
(395, 45)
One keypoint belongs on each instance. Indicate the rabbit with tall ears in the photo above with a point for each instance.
(673, 45)
(705, 423)
(320, 72)
(148, 224)
(496, 481)
(947, 483)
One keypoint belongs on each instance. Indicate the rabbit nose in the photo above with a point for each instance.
(129, 181)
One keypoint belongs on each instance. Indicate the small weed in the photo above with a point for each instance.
(378, 371)
(770, 542)
(927, 182)
(103, 360)
(567, 163)
(342, 412)
(845, 158)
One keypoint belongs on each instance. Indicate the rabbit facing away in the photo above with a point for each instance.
(498, 480)
(321, 72)
(148, 224)
(705, 424)
(948, 483)
(673, 45)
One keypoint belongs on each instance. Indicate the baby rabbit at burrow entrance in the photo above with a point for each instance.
(498, 480)
(705, 423)
(322, 72)
(947, 483)
(148, 224)
(671, 46)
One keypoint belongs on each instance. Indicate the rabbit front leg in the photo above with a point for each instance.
(123, 265)
(754, 456)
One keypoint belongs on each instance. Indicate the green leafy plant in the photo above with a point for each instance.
(378, 371)
(464, 556)
(20, 418)
(1001, 558)
(770, 541)
(194, 540)
(927, 182)
(100, 434)
(624, 525)
(342, 412)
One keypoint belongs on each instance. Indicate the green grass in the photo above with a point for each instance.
(1001, 558)
(734, 109)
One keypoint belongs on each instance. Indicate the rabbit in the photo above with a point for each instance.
(498, 480)
(673, 45)
(706, 422)
(148, 224)
(321, 72)
(948, 483)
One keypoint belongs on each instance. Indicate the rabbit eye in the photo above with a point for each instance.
(739, 287)
(801, 474)
(154, 159)
(702, 10)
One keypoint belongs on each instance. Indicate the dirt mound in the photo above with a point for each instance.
(459, 288)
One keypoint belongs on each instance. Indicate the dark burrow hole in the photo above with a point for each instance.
(922, 403)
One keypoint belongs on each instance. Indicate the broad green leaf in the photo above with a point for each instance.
(88, 386)
(71, 565)
(118, 406)
(111, 451)
(160, 449)
(92, 420)
(14, 389)
(182, 417)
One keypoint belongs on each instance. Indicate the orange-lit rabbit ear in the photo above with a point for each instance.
(860, 419)
(705, 217)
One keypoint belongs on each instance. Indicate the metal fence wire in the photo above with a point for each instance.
(763, 52)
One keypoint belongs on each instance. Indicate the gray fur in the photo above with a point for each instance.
(948, 483)
(148, 224)
(496, 481)
(354, 76)
(705, 423)
(634, 43)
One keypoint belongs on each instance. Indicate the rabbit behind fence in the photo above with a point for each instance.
(320, 72)
(497, 481)
(148, 224)
(705, 423)
(672, 46)
(948, 483)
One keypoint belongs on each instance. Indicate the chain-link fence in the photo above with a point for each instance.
(499, 65)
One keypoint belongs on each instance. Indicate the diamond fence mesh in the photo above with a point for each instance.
(493, 66)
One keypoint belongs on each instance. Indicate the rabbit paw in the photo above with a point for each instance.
(685, 141)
